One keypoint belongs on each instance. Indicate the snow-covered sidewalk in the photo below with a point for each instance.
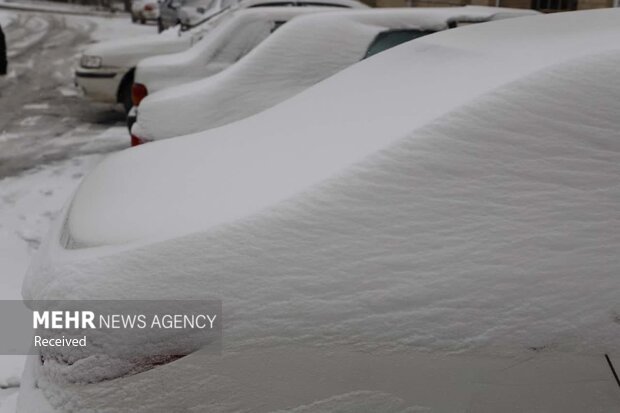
(28, 204)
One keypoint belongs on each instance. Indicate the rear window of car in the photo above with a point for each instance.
(388, 39)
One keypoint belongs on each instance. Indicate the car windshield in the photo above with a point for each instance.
(389, 39)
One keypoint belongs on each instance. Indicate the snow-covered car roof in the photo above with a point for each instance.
(300, 54)
(456, 193)
(225, 45)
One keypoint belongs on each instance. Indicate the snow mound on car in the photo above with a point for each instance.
(225, 44)
(217, 177)
(481, 216)
(287, 63)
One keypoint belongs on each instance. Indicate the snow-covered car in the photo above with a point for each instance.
(456, 194)
(306, 51)
(144, 10)
(224, 46)
(106, 69)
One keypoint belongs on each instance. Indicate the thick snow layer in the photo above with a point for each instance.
(224, 45)
(287, 63)
(476, 211)
(303, 380)
(319, 133)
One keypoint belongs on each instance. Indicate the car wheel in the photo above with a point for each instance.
(142, 21)
(160, 25)
(133, 18)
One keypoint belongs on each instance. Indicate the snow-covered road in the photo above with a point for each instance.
(50, 136)
(48, 120)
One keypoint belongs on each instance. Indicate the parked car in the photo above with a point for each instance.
(306, 51)
(457, 194)
(106, 69)
(225, 45)
(144, 10)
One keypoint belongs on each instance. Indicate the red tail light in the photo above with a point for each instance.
(149, 7)
(135, 141)
(138, 92)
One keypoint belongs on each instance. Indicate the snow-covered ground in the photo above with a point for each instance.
(28, 203)
(47, 146)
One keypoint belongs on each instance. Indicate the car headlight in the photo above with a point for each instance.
(90, 62)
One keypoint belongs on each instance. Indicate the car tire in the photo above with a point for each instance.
(133, 18)
(160, 25)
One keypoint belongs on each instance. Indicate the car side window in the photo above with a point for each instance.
(388, 39)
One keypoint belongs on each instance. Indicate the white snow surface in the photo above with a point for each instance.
(6, 18)
(475, 211)
(297, 56)
(28, 203)
(224, 45)
(127, 52)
